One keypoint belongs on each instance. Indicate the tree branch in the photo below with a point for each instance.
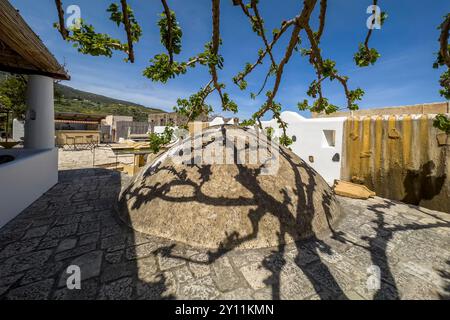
(369, 33)
(443, 40)
(265, 82)
(62, 27)
(261, 30)
(215, 46)
(318, 62)
(126, 22)
(284, 27)
(299, 21)
(169, 30)
(322, 15)
(207, 91)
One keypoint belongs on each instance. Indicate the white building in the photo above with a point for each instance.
(34, 168)
(317, 141)
(217, 121)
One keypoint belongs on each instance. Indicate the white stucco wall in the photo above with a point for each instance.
(25, 179)
(311, 141)
(217, 122)
(18, 130)
(40, 118)
(35, 168)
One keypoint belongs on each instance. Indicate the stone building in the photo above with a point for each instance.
(111, 124)
(166, 118)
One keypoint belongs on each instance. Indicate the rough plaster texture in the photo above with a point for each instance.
(399, 157)
(230, 205)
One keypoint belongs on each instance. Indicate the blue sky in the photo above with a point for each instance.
(403, 75)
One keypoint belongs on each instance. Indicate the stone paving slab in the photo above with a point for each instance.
(75, 223)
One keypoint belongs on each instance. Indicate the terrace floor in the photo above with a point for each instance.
(75, 224)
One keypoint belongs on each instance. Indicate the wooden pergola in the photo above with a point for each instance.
(21, 50)
(78, 117)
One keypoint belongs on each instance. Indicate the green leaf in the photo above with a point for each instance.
(176, 32)
(441, 122)
(364, 57)
(159, 140)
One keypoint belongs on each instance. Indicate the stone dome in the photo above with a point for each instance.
(229, 205)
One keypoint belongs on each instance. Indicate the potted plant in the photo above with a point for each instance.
(443, 124)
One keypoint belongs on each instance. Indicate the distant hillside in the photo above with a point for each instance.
(68, 99)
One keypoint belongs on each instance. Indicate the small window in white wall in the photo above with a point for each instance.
(329, 138)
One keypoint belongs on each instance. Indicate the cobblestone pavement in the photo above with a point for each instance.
(76, 159)
(75, 224)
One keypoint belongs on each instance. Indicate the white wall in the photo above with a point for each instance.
(217, 121)
(311, 141)
(18, 130)
(40, 118)
(25, 179)
(35, 168)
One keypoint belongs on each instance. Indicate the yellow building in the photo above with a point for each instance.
(77, 129)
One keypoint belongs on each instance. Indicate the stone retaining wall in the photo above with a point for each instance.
(424, 108)
(400, 157)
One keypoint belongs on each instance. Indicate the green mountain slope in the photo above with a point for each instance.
(68, 99)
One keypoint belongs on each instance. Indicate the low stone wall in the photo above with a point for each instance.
(399, 157)
(24, 180)
(424, 108)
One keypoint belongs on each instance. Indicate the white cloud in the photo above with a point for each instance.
(160, 98)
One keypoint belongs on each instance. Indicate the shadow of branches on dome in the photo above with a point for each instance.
(297, 226)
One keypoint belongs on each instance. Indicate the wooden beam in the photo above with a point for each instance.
(16, 35)
(10, 58)
(15, 70)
